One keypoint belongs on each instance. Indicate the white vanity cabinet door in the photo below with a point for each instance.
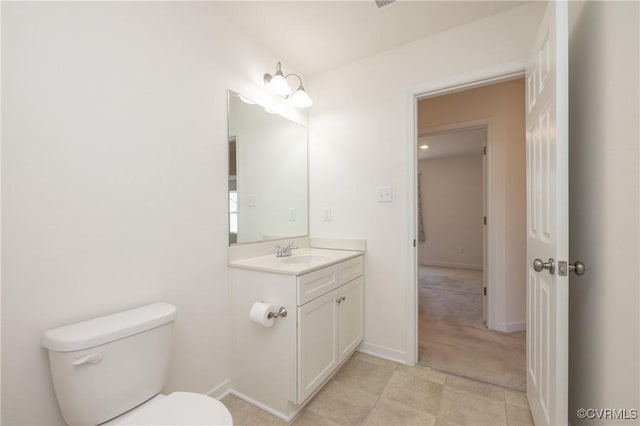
(317, 343)
(350, 317)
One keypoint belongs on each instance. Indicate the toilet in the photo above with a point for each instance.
(110, 370)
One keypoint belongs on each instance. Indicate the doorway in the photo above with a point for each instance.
(451, 203)
(461, 256)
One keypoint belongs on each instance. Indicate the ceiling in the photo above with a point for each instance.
(453, 143)
(315, 36)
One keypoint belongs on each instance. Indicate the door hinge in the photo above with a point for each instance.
(484, 150)
(414, 242)
(485, 291)
(484, 221)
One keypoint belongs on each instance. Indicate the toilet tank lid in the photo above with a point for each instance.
(98, 331)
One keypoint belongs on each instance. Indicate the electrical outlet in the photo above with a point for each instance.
(326, 214)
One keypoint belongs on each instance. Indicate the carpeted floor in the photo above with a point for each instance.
(452, 333)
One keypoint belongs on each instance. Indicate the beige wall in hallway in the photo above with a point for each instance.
(502, 105)
(451, 192)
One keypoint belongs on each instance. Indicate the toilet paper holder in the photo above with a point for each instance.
(282, 312)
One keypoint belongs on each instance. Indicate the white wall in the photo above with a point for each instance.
(604, 345)
(359, 139)
(451, 192)
(501, 105)
(114, 179)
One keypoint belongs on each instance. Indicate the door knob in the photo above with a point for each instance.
(539, 265)
(578, 268)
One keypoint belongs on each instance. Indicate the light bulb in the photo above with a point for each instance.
(301, 99)
(278, 85)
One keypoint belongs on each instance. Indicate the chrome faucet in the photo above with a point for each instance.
(285, 251)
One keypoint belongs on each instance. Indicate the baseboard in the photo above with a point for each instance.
(510, 327)
(516, 326)
(220, 391)
(383, 352)
(263, 407)
(451, 265)
(295, 408)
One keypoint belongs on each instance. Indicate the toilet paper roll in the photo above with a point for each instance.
(259, 314)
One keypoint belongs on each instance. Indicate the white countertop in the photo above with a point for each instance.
(302, 261)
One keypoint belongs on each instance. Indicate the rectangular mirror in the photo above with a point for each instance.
(268, 190)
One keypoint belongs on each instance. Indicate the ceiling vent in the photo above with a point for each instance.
(383, 3)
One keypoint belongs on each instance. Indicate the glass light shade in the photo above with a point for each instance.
(301, 99)
(278, 85)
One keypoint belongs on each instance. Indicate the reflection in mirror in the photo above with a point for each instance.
(267, 174)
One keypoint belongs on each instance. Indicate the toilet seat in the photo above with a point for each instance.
(178, 408)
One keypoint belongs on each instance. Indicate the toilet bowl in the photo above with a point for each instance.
(110, 370)
(178, 408)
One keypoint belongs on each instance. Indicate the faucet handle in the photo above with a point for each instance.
(285, 251)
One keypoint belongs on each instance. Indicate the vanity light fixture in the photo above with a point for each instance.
(277, 83)
(424, 146)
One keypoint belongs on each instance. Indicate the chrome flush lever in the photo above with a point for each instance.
(92, 358)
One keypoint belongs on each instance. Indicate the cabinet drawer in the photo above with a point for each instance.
(350, 269)
(317, 283)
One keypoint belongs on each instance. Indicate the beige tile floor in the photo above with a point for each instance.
(372, 391)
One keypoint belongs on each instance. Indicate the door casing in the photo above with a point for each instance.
(497, 74)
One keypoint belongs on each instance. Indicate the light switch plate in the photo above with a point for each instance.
(292, 214)
(384, 194)
(252, 200)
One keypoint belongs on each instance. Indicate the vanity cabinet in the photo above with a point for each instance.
(280, 367)
(330, 327)
(329, 330)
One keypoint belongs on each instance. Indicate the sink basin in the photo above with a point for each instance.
(305, 259)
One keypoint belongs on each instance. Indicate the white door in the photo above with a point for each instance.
(547, 219)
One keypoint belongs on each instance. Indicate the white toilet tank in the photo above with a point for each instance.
(103, 367)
